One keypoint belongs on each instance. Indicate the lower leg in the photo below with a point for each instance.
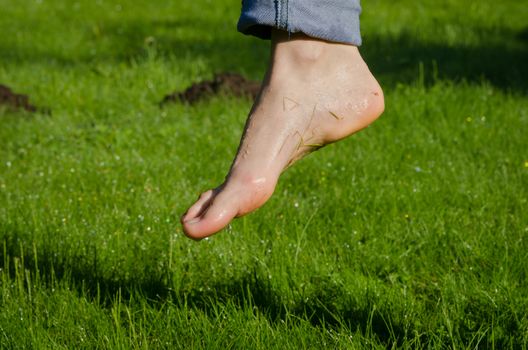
(315, 92)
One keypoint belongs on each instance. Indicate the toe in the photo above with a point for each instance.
(198, 207)
(222, 209)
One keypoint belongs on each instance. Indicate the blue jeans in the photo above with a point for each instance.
(331, 20)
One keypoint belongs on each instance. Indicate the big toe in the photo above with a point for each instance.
(199, 207)
(214, 214)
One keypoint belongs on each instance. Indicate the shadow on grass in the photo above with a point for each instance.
(329, 306)
(396, 60)
(129, 42)
(500, 60)
(323, 309)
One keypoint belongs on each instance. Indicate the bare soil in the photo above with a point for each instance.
(223, 83)
(14, 101)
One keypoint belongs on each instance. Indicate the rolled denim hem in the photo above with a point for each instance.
(331, 20)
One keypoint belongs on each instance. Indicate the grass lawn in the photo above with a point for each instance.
(410, 234)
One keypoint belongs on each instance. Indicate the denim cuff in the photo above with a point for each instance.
(331, 20)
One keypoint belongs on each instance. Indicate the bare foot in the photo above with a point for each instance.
(314, 93)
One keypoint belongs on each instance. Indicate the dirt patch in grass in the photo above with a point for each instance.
(13, 101)
(222, 83)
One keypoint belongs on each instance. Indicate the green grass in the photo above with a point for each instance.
(410, 234)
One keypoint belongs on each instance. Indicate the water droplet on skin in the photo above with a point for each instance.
(259, 181)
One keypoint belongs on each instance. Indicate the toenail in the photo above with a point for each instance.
(193, 221)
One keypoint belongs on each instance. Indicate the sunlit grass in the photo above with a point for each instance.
(411, 234)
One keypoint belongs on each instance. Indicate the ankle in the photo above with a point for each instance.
(299, 52)
(296, 49)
